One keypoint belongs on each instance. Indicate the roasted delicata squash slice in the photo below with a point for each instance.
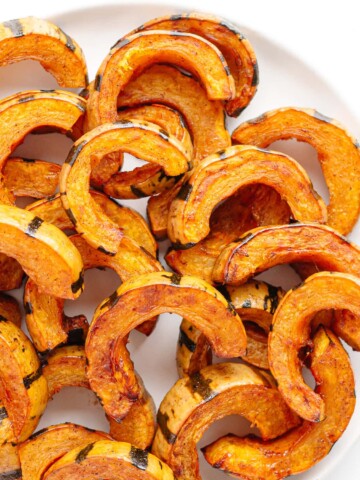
(222, 174)
(337, 152)
(29, 239)
(141, 139)
(26, 111)
(27, 177)
(65, 367)
(48, 445)
(118, 460)
(251, 207)
(11, 273)
(195, 402)
(304, 446)
(266, 247)
(10, 309)
(322, 291)
(255, 302)
(236, 49)
(33, 38)
(149, 179)
(136, 52)
(110, 370)
(23, 388)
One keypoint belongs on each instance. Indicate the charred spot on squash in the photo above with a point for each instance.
(198, 384)
(32, 377)
(139, 458)
(81, 456)
(33, 226)
(138, 192)
(79, 284)
(184, 191)
(15, 26)
(111, 301)
(162, 420)
(97, 82)
(186, 341)
(3, 414)
(11, 475)
(106, 252)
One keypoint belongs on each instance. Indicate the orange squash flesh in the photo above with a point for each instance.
(10, 467)
(222, 174)
(266, 247)
(141, 139)
(291, 334)
(110, 370)
(338, 154)
(236, 49)
(137, 52)
(38, 39)
(25, 111)
(9, 309)
(195, 402)
(304, 446)
(11, 273)
(48, 445)
(110, 460)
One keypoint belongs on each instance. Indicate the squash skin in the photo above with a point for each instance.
(338, 154)
(304, 446)
(220, 175)
(37, 39)
(110, 370)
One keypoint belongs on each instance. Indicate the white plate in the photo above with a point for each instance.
(284, 80)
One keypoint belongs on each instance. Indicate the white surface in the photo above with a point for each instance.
(321, 71)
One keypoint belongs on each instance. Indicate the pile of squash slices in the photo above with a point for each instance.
(231, 209)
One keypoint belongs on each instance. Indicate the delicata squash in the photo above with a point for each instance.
(110, 370)
(266, 247)
(304, 446)
(9, 309)
(195, 402)
(111, 460)
(236, 49)
(136, 52)
(322, 291)
(337, 152)
(33, 38)
(23, 388)
(220, 175)
(28, 239)
(25, 111)
(141, 139)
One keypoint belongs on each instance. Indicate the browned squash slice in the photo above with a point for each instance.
(236, 49)
(25, 111)
(249, 208)
(111, 460)
(11, 273)
(266, 247)
(38, 39)
(23, 388)
(10, 468)
(9, 309)
(222, 174)
(110, 370)
(29, 239)
(195, 402)
(137, 52)
(337, 151)
(256, 303)
(347, 326)
(304, 446)
(149, 179)
(65, 367)
(141, 139)
(25, 177)
(290, 335)
(48, 445)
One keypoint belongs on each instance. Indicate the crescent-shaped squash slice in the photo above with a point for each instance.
(337, 152)
(222, 174)
(195, 402)
(23, 388)
(137, 52)
(29, 240)
(236, 49)
(110, 370)
(25, 111)
(266, 247)
(48, 445)
(304, 446)
(290, 335)
(141, 139)
(65, 367)
(249, 208)
(9, 309)
(149, 179)
(111, 460)
(33, 38)
(256, 303)
(25, 177)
